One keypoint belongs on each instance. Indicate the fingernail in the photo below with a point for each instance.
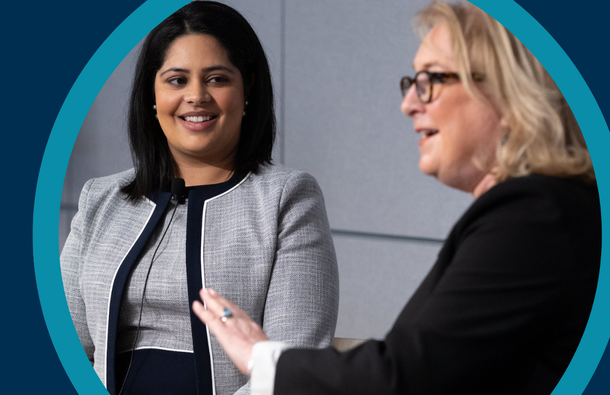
(211, 291)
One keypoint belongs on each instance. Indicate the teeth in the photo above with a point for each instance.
(198, 119)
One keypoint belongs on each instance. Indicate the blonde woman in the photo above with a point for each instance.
(503, 309)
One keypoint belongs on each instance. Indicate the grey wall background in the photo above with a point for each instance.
(336, 67)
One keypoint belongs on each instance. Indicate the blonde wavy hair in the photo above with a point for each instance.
(542, 135)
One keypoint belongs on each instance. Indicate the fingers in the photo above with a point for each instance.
(236, 335)
(211, 302)
(216, 303)
(204, 315)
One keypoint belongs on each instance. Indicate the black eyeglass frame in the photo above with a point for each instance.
(433, 78)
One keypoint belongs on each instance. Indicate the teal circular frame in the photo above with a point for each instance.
(134, 28)
(50, 181)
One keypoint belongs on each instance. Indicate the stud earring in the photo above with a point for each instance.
(245, 105)
(155, 108)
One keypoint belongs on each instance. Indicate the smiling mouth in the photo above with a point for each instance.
(428, 133)
(197, 119)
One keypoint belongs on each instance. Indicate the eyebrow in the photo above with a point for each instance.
(205, 70)
(426, 66)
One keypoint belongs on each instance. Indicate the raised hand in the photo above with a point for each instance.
(235, 331)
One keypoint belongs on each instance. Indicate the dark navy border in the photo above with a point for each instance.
(45, 47)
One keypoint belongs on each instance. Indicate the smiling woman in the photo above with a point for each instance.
(142, 244)
(200, 104)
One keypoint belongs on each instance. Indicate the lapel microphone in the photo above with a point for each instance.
(177, 190)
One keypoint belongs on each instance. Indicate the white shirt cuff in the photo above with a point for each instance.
(263, 364)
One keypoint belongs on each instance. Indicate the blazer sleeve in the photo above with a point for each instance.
(71, 260)
(514, 281)
(303, 296)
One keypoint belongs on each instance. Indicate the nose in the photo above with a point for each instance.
(410, 103)
(197, 94)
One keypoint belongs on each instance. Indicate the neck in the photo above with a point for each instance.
(484, 185)
(198, 171)
(204, 174)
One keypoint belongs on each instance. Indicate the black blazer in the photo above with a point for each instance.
(501, 312)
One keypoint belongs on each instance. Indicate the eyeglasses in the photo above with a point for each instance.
(425, 80)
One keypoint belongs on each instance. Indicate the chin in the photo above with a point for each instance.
(427, 169)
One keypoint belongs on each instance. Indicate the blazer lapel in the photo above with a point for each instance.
(161, 200)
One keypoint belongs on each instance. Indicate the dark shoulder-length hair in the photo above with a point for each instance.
(153, 162)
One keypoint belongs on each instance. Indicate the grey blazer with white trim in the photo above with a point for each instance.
(266, 246)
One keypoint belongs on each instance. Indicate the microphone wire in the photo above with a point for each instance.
(133, 348)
